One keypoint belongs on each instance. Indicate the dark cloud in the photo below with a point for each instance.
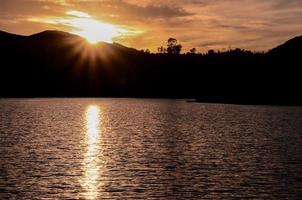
(132, 11)
(30, 7)
(282, 4)
(161, 11)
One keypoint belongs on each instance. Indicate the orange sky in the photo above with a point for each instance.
(204, 24)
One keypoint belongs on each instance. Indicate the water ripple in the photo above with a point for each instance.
(148, 149)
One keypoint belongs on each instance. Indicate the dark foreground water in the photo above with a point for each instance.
(148, 149)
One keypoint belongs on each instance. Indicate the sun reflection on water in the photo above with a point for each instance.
(92, 160)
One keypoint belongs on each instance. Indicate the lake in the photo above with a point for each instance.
(148, 149)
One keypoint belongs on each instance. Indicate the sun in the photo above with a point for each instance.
(95, 31)
(92, 30)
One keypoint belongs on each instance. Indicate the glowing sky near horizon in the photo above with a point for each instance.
(204, 24)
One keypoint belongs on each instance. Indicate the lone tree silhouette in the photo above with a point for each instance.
(193, 51)
(173, 47)
(211, 52)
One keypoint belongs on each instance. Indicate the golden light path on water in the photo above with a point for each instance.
(92, 160)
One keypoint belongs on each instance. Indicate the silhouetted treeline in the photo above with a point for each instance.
(58, 64)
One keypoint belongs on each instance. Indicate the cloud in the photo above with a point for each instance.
(80, 14)
(132, 11)
(250, 24)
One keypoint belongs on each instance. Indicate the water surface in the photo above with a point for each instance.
(148, 149)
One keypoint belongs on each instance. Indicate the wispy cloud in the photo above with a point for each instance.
(250, 24)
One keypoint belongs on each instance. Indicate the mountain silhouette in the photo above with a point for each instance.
(292, 47)
(60, 64)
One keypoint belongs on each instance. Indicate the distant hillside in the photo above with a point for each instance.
(291, 47)
(6, 35)
(52, 38)
(54, 63)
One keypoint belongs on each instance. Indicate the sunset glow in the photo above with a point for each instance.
(91, 29)
(251, 24)
(95, 31)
